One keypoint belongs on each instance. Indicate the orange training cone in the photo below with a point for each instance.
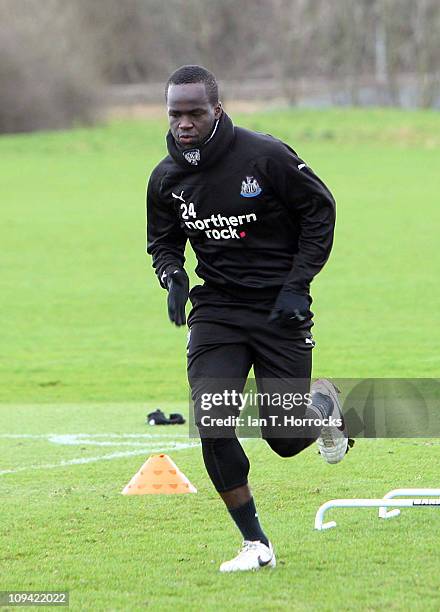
(159, 474)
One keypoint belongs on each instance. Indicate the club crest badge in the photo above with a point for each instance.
(250, 188)
(192, 156)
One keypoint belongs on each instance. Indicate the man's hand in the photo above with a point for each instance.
(178, 292)
(290, 307)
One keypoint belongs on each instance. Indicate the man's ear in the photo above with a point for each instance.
(218, 109)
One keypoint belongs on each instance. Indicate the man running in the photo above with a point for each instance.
(261, 225)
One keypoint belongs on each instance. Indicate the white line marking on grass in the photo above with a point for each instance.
(83, 439)
(87, 435)
(149, 443)
(92, 440)
(24, 436)
(83, 460)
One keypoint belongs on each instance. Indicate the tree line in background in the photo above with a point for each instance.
(56, 57)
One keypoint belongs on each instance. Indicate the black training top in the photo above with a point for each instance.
(255, 214)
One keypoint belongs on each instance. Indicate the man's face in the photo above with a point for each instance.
(190, 114)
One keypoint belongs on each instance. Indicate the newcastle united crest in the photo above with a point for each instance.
(192, 156)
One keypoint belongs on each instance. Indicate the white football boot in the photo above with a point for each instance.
(252, 556)
(333, 440)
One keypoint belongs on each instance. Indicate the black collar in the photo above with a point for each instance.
(207, 153)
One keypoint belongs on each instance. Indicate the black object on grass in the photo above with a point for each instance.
(159, 418)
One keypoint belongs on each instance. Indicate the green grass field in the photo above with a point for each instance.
(87, 351)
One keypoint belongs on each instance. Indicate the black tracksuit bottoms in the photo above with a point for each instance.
(227, 337)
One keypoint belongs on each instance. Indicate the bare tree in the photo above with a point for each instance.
(45, 79)
(53, 54)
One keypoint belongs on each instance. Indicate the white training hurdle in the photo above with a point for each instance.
(382, 503)
(384, 513)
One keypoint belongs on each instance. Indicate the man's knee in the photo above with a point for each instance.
(226, 462)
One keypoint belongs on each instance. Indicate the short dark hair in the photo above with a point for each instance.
(194, 74)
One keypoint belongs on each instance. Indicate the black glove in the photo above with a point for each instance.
(290, 307)
(178, 292)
